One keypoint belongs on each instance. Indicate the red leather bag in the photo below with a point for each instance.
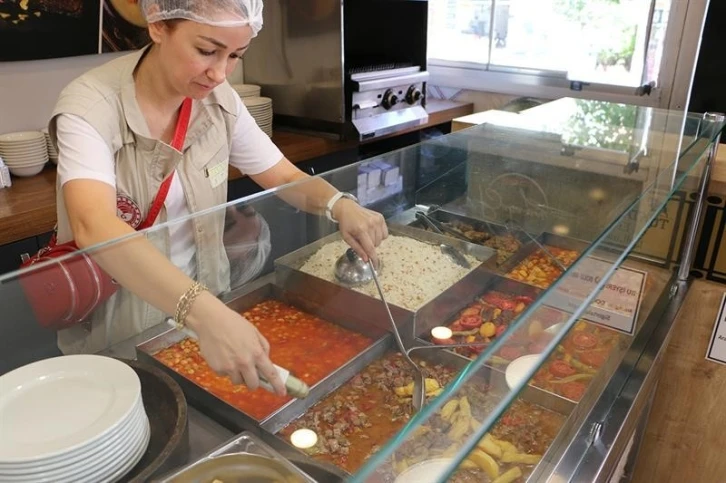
(64, 293)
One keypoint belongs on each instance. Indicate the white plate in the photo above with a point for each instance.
(57, 405)
(257, 101)
(518, 369)
(21, 136)
(113, 438)
(113, 455)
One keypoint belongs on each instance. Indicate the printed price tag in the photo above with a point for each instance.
(618, 303)
(717, 346)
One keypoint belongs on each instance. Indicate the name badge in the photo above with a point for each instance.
(217, 174)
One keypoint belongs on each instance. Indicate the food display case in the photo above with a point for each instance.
(522, 275)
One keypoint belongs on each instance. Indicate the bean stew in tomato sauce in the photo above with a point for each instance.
(308, 346)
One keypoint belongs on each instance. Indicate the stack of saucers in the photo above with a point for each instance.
(25, 153)
(52, 151)
(261, 110)
(76, 418)
(247, 90)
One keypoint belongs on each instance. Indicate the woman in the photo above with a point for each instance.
(113, 127)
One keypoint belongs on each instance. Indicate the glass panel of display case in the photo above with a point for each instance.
(518, 311)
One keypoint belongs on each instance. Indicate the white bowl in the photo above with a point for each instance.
(431, 470)
(15, 137)
(26, 171)
(518, 369)
(26, 160)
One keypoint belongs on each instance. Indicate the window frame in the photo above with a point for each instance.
(681, 43)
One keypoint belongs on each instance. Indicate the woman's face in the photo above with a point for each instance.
(195, 58)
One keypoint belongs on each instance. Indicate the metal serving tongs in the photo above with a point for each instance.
(447, 249)
(351, 270)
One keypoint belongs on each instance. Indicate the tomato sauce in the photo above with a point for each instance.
(569, 371)
(309, 347)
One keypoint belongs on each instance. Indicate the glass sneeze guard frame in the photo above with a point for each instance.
(693, 157)
(656, 190)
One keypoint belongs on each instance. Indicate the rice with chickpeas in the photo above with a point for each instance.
(413, 272)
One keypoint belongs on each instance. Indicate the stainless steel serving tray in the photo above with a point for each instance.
(243, 444)
(449, 304)
(486, 376)
(545, 239)
(408, 218)
(235, 419)
(360, 308)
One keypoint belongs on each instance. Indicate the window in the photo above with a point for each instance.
(604, 43)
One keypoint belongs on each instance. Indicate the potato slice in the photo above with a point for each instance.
(430, 385)
(459, 428)
(485, 462)
(468, 464)
(509, 476)
(488, 445)
(506, 446)
(521, 458)
(449, 408)
(404, 391)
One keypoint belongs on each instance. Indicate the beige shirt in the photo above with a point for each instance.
(105, 98)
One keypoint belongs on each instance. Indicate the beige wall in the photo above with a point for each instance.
(28, 90)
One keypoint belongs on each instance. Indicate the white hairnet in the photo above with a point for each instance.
(219, 13)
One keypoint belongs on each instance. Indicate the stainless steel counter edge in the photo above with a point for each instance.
(597, 446)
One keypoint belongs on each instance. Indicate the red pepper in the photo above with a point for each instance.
(584, 341)
(501, 329)
(470, 322)
(562, 369)
(524, 299)
(507, 305)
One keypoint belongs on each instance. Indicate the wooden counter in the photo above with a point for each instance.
(685, 432)
(28, 208)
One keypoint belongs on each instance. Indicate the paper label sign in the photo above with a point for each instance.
(717, 346)
(616, 306)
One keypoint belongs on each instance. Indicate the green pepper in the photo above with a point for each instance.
(499, 360)
(582, 367)
(574, 378)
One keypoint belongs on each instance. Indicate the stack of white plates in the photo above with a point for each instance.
(25, 153)
(261, 110)
(52, 152)
(247, 90)
(70, 419)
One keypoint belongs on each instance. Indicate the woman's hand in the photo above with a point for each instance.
(362, 229)
(231, 345)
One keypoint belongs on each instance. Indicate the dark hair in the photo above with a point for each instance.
(172, 23)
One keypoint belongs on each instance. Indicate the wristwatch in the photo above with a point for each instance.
(334, 200)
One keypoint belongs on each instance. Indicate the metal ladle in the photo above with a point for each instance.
(349, 267)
